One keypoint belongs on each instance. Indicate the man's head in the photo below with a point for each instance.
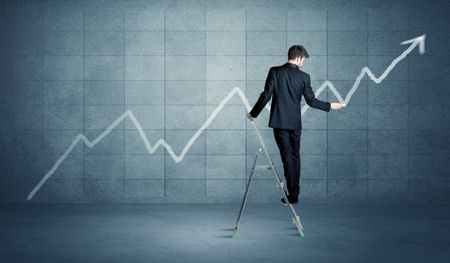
(297, 55)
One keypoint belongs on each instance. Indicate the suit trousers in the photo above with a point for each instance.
(288, 141)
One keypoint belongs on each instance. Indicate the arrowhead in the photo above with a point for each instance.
(420, 40)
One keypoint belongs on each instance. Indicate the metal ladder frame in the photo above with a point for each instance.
(295, 217)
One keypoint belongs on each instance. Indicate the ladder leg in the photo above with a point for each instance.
(295, 217)
(281, 184)
(244, 200)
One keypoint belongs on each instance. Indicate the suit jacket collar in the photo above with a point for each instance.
(291, 65)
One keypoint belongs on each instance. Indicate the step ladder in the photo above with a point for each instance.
(270, 166)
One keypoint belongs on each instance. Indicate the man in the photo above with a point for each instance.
(288, 83)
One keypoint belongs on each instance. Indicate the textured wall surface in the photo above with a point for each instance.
(74, 67)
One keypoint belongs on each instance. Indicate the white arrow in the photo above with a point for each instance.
(236, 90)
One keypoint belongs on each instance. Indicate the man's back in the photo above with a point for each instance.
(287, 84)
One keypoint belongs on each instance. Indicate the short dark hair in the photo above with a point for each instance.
(297, 51)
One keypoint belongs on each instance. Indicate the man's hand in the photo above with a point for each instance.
(249, 116)
(337, 105)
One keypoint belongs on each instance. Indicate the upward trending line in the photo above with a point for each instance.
(236, 90)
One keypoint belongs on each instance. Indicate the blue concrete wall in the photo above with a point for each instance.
(73, 67)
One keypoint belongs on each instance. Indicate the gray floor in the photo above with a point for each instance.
(202, 233)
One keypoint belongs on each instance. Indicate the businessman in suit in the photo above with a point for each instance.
(286, 84)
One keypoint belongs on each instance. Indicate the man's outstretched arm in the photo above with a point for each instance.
(311, 99)
(265, 96)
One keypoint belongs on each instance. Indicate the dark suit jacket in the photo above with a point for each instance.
(287, 84)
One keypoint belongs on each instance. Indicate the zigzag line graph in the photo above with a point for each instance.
(418, 41)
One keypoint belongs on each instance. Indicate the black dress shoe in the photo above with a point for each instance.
(291, 199)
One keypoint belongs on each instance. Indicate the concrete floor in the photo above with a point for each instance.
(202, 233)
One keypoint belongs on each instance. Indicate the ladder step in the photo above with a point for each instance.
(263, 167)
